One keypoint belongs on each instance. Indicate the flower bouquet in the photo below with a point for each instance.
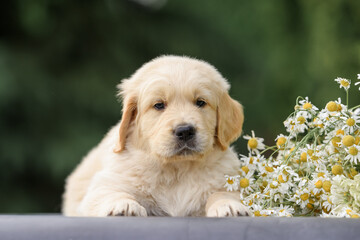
(311, 171)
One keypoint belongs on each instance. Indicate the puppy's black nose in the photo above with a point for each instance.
(184, 132)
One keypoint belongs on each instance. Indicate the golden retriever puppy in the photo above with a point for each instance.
(169, 153)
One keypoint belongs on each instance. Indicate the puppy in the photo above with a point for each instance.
(169, 153)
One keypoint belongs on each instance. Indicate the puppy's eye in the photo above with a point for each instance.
(159, 106)
(200, 103)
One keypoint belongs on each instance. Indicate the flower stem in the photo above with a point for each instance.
(354, 107)
(267, 149)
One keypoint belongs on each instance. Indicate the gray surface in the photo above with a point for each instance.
(55, 227)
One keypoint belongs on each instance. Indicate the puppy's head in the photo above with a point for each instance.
(178, 108)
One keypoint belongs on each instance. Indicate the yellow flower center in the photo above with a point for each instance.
(252, 143)
(281, 179)
(301, 119)
(303, 157)
(273, 185)
(325, 210)
(251, 160)
(309, 206)
(337, 170)
(321, 174)
(281, 141)
(230, 181)
(340, 132)
(315, 158)
(245, 169)
(257, 213)
(348, 211)
(344, 83)
(348, 140)
(355, 216)
(310, 152)
(319, 184)
(304, 196)
(244, 182)
(269, 169)
(327, 186)
(350, 122)
(331, 106)
(339, 107)
(353, 151)
(307, 106)
(328, 199)
(265, 183)
(353, 172)
(335, 141)
(357, 140)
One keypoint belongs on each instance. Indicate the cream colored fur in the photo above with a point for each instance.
(136, 169)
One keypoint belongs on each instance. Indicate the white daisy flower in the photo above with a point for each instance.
(347, 212)
(308, 106)
(282, 141)
(326, 203)
(301, 122)
(317, 122)
(285, 211)
(316, 186)
(252, 199)
(256, 209)
(254, 143)
(334, 137)
(344, 83)
(301, 197)
(266, 169)
(232, 183)
(289, 123)
(353, 154)
(245, 184)
(268, 212)
(249, 163)
(350, 123)
(332, 109)
(322, 174)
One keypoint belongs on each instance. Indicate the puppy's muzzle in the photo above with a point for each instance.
(185, 133)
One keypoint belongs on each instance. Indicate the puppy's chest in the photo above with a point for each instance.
(179, 194)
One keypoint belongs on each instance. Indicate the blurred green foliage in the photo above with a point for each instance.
(61, 60)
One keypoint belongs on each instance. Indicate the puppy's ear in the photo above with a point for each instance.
(230, 118)
(129, 114)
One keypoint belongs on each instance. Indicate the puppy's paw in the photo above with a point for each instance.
(128, 207)
(227, 208)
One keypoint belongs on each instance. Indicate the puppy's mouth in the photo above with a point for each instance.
(186, 149)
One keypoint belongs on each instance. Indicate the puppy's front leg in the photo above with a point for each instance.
(225, 204)
(104, 198)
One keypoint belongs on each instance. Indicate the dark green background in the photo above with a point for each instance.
(61, 60)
